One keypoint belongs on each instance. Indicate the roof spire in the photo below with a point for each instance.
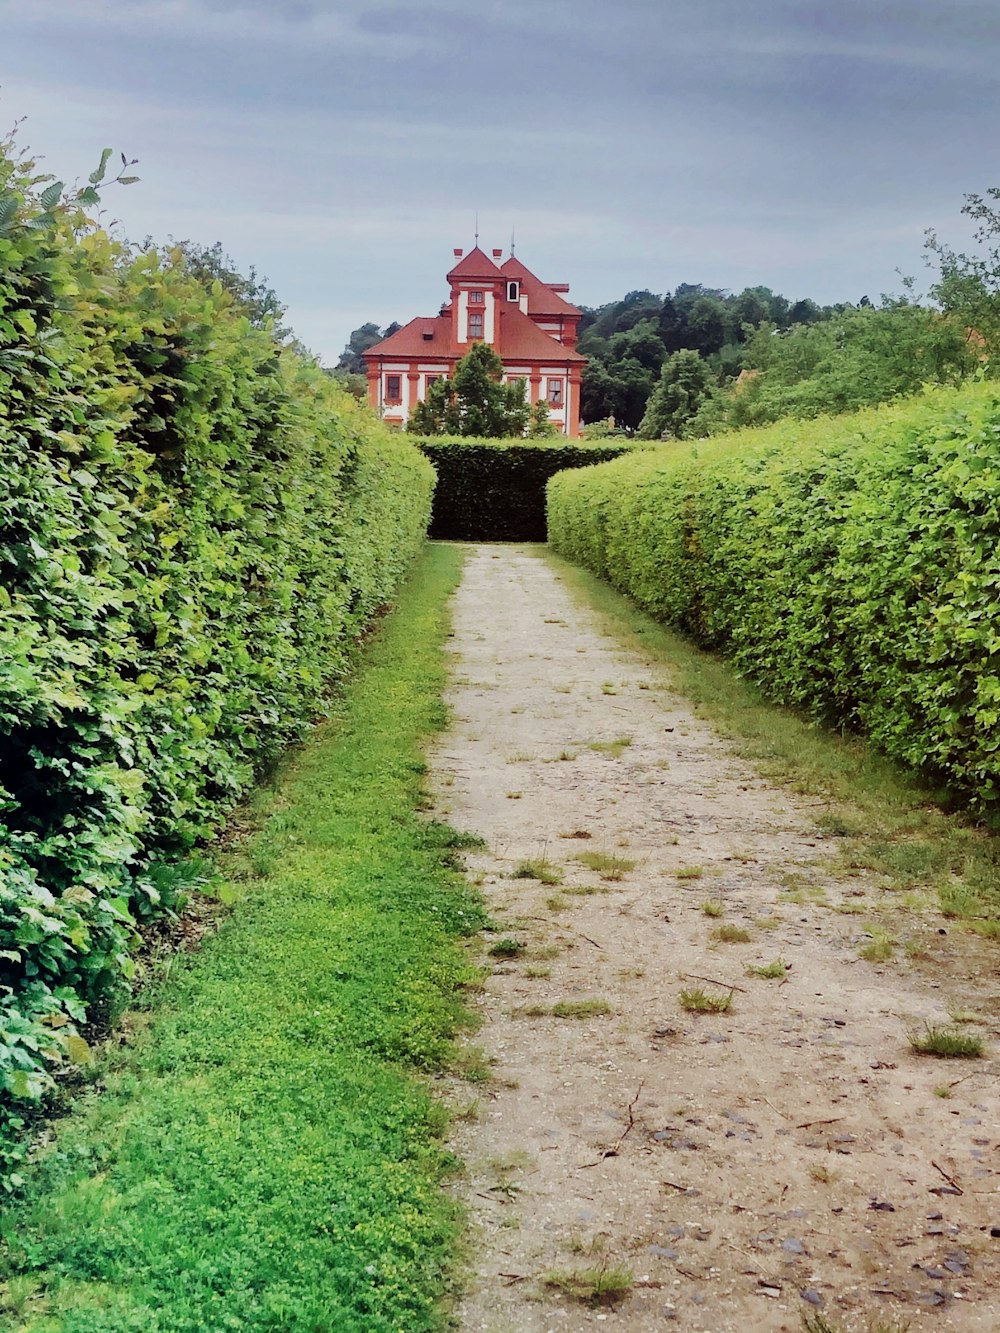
(512, 242)
(477, 226)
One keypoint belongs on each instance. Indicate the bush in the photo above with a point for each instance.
(494, 490)
(848, 565)
(195, 523)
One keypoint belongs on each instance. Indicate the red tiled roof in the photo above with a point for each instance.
(409, 341)
(476, 264)
(542, 300)
(522, 340)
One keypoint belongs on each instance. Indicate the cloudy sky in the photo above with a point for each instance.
(344, 146)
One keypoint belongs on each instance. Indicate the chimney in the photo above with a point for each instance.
(457, 253)
(497, 254)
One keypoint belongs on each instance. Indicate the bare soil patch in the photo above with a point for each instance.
(713, 1171)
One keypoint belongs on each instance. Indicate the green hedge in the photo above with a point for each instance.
(849, 565)
(195, 524)
(494, 490)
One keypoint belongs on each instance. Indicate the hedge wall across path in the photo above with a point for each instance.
(494, 490)
(851, 566)
(195, 524)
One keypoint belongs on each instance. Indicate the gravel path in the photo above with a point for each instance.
(790, 1156)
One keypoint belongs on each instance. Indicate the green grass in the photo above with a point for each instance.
(593, 1286)
(606, 864)
(891, 823)
(712, 907)
(731, 934)
(538, 867)
(262, 1156)
(697, 1000)
(615, 747)
(772, 971)
(952, 1042)
(507, 948)
(580, 1009)
(880, 947)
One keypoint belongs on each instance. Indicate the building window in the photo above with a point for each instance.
(393, 388)
(555, 393)
(476, 298)
(431, 379)
(475, 325)
(513, 291)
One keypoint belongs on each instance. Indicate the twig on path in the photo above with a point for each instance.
(713, 981)
(774, 1108)
(613, 1151)
(964, 1077)
(548, 921)
(950, 1179)
(674, 1186)
(833, 1120)
(511, 1278)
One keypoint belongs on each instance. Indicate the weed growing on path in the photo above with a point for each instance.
(687, 872)
(614, 748)
(697, 1000)
(540, 868)
(768, 971)
(593, 1286)
(606, 864)
(507, 948)
(948, 1042)
(580, 1009)
(712, 907)
(731, 934)
(880, 947)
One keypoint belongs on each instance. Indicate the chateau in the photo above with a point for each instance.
(529, 324)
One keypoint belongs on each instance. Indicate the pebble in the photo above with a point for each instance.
(812, 1296)
(793, 1245)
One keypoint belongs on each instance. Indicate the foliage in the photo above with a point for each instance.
(541, 425)
(474, 401)
(857, 358)
(849, 566)
(262, 1159)
(493, 490)
(968, 285)
(350, 361)
(251, 294)
(684, 385)
(195, 523)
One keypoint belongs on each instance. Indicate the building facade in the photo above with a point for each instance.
(527, 322)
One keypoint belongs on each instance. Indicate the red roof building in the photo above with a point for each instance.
(529, 323)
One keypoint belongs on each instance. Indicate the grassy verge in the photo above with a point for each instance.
(888, 821)
(261, 1156)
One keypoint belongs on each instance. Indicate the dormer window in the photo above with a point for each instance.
(476, 298)
(513, 291)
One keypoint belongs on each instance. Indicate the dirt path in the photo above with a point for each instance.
(747, 1167)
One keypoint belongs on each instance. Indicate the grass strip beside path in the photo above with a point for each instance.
(261, 1156)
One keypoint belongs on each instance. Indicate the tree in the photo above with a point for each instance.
(360, 341)
(685, 383)
(542, 426)
(968, 285)
(474, 402)
(251, 294)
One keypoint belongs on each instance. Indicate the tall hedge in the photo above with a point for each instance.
(494, 490)
(195, 523)
(851, 566)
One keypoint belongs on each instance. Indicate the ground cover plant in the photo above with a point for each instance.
(195, 524)
(260, 1158)
(848, 565)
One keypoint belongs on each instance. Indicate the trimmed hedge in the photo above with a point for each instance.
(494, 490)
(195, 524)
(851, 566)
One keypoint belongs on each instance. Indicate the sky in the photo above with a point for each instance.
(343, 149)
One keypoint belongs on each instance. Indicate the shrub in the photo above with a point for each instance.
(195, 523)
(848, 565)
(494, 490)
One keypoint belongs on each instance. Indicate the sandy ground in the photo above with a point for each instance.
(789, 1157)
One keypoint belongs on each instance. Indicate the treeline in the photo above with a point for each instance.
(195, 524)
(699, 361)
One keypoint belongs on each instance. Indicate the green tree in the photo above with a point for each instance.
(541, 424)
(360, 341)
(968, 285)
(475, 401)
(685, 383)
